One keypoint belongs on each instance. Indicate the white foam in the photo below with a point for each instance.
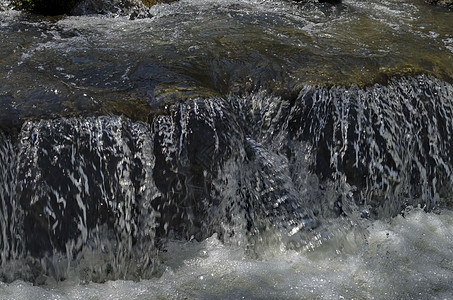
(405, 257)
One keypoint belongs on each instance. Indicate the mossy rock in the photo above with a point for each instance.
(46, 7)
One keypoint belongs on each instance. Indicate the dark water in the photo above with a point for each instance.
(227, 149)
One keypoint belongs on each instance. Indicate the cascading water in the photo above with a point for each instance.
(227, 149)
(108, 184)
(391, 144)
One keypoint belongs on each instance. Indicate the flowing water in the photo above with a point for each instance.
(227, 149)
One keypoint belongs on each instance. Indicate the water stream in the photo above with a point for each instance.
(227, 149)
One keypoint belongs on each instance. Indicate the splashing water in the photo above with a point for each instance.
(227, 149)
(408, 257)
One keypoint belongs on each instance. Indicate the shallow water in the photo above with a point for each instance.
(227, 149)
(100, 64)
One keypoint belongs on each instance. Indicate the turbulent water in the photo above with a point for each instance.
(227, 149)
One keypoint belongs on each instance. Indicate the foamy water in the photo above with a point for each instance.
(407, 257)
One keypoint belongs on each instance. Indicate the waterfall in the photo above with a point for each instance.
(391, 145)
(240, 166)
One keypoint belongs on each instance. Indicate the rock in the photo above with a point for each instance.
(111, 7)
(333, 2)
(150, 3)
(135, 8)
(46, 7)
(444, 3)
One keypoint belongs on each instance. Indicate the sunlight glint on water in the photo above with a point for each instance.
(254, 157)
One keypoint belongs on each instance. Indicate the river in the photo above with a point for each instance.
(227, 149)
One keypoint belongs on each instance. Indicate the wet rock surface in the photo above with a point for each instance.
(444, 3)
(46, 7)
(132, 8)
